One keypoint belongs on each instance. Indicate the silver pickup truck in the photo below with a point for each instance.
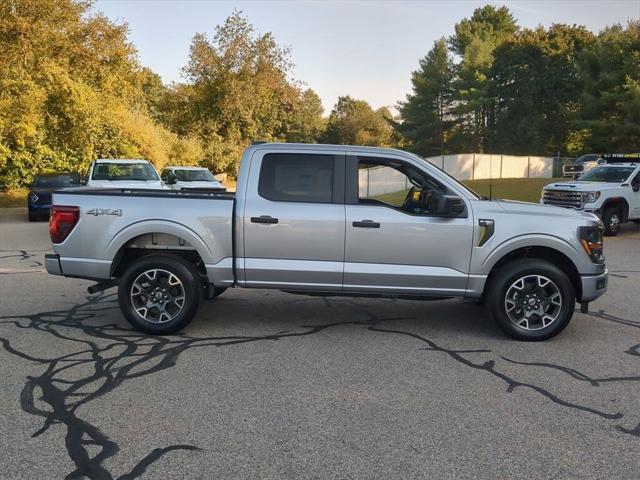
(330, 220)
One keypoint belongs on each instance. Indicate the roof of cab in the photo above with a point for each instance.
(316, 146)
(182, 167)
(121, 160)
(619, 164)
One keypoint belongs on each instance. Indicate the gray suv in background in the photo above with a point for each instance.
(332, 220)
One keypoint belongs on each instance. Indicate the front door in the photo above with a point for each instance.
(294, 221)
(395, 242)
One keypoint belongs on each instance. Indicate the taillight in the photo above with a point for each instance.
(62, 221)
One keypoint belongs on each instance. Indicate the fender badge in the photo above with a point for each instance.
(104, 211)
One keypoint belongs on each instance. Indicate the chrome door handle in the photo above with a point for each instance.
(366, 224)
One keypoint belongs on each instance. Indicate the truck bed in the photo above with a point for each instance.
(114, 219)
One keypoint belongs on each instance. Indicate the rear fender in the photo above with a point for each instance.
(161, 226)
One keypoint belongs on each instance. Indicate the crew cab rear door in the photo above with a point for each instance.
(393, 245)
(294, 220)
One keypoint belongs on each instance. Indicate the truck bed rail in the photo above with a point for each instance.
(214, 193)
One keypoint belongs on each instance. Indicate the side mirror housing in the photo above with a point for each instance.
(171, 179)
(450, 206)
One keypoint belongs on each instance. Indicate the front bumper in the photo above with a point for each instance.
(593, 286)
(52, 264)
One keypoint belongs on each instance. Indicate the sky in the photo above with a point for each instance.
(366, 49)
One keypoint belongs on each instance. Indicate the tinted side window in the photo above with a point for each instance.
(295, 177)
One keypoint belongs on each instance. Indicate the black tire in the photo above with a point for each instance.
(504, 283)
(32, 217)
(612, 218)
(189, 286)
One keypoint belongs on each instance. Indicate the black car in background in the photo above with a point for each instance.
(39, 199)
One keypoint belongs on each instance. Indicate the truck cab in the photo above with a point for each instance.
(611, 191)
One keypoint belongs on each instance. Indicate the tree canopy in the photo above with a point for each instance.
(72, 89)
(544, 91)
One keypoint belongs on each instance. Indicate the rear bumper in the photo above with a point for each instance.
(52, 264)
(593, 286)
(90, 269)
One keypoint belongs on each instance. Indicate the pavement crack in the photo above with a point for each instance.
(108, 356)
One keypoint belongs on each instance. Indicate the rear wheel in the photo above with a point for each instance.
(612, 218)
(531, 299)
(160, 294)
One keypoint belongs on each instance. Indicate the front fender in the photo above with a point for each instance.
(482, 264)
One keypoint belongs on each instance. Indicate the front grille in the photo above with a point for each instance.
(573, 168)
(562, 198)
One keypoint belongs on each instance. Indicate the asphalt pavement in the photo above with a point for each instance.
(268, 385)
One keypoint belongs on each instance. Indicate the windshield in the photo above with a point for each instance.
(51, 181)
(589, 157)
(124, 171)
(607, 174)
(203, 175)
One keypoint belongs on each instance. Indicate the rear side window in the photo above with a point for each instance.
(296, 177)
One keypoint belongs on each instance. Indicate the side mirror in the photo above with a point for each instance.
(171, 179)
(635, 186)
(450, 206)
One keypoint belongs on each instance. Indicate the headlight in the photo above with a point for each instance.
(590, 197)
(591, 241)
(33, 197)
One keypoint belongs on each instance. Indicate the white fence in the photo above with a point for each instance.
(380, 180)
(477, 166)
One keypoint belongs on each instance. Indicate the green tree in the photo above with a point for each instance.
(354, 122)
(71, 90)
(239, 90)
(306, 124)
(474, 42)
(426, 122)
(609, 119)
(536, 89)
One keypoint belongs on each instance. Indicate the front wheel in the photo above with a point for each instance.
(612, 219)
(159, 294)
(531, 299)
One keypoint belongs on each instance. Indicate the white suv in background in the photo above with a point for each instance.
(611, 191)
(181, 178)
(126, 173)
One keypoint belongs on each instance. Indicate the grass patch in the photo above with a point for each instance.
(14, 198)
(523, 189)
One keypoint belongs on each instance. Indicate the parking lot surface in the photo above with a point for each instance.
(271, 385)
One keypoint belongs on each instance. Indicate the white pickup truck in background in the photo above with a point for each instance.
(611, 191)
(129, 173)
(190, 178)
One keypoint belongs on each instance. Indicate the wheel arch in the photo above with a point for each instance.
(550, 254)
(153, 237)
(619, 203)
